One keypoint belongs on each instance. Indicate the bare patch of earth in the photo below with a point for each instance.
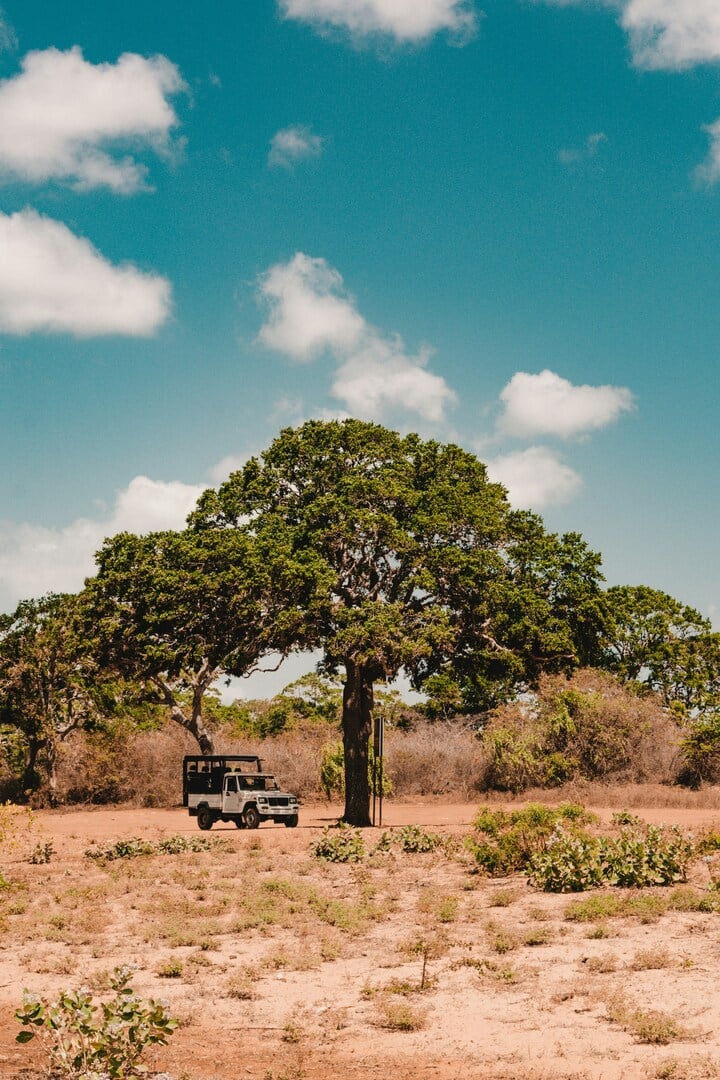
(281, 967)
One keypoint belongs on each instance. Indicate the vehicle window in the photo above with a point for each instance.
(231, 784)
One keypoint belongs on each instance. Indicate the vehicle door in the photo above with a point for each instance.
(232, 800)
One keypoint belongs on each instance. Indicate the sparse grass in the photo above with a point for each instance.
(502, 897)
(171, 969)
(697, 1067)
(651, 959)
(400, 1016)
(646, 1025)
(240, 988)
(601, 965)
(537, 935)
(611, 905)
(499, 973)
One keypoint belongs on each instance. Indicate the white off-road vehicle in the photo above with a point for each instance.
(233, 787)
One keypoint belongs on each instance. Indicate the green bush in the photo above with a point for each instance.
(509, 840)
(84, 1040)
(569, 863)
(574, 862)
(341, 844)
(414, 840)
(588, 727)
(169, 845)
(655, 856)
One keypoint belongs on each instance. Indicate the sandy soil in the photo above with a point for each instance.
(284, 968)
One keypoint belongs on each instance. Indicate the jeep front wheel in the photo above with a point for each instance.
(291, 822)
(252, 818)
(205, 817)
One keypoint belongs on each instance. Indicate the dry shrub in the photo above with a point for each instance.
(587, 727)
(140, 767)
(293, 756)
(434, 759)
(145, 768)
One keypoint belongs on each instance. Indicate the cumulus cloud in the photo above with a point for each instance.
(589, 149)
(35, 559)
(666, 34)
(404, 21)
(310, 313)
(535, 478)
(309, 310)
(547, 404)
(672, 33)
(293, 144)
(52, 281)
(65, 119)
(380, 376)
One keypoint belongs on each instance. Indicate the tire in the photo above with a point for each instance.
(239, 823)
(291, 822)
(251, 817)
(205, 818)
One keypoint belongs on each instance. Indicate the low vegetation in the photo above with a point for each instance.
(83, 1038)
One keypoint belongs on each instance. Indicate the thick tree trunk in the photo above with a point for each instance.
(51, 769)
(357, 725)
(196, 727)
(30, 777)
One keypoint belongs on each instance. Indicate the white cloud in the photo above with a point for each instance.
(673, 33)
(406, 21)
(709, 171)
(61, 114)
(666, 34)
(311, 313)
(547, 404)
(221, 470)
(379, 376)
(52, 281)
(35, 559)
(589, 149)
(293, 144)
(535, 478)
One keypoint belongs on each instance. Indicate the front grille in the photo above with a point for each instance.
(279, 802)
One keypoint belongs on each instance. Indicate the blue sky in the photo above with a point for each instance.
(495, 224)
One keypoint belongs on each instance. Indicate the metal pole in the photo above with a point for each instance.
(379, 763)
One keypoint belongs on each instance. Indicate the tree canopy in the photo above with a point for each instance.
(178, 610)
(421, 565)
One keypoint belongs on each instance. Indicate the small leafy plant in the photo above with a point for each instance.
(340, 844)
(414, 840)
(135, 847)
(85, 1040)
(42, 853)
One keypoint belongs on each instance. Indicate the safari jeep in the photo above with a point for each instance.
(233, 787)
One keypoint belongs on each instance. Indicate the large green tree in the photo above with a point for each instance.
(419, 557)
(178, 610)
(50, 683)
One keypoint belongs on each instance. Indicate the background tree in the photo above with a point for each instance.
(420, 553)
(179, 610)
(642, 623)
(50, 685)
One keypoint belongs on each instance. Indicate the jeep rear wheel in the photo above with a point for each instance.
(251, 816)
(291, 822)
(205, 817)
